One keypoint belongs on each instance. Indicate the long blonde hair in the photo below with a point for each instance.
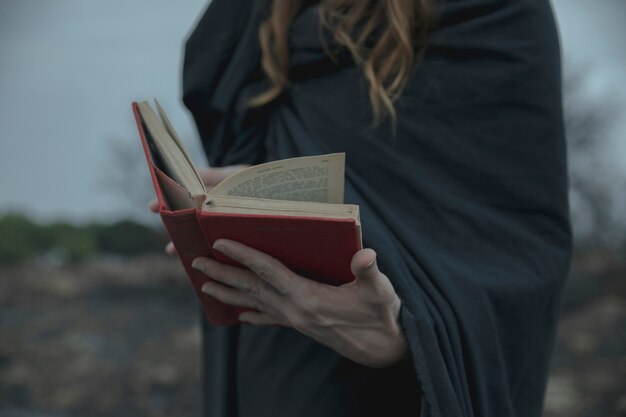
(399, 26)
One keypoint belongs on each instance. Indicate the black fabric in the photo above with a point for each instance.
(466, 208)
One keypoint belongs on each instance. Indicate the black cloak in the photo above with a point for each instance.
(466, 207)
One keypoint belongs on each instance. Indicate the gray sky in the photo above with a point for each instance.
(593, 37)
(70, 69)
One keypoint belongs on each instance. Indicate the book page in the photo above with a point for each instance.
(254, 205)
(309, 178)
(177, 165)
(176, 140)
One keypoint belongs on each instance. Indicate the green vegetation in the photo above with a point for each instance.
(21, 238)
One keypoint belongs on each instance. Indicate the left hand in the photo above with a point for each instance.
(359, 320)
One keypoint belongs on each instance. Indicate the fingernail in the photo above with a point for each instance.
(195, 264)
(372, 262)
(217, 245)
(206, 289)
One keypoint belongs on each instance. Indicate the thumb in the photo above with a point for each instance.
(153, 205)
(363, 265)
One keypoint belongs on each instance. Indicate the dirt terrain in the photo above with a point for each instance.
(115, 337)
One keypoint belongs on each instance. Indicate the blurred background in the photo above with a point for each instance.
(96, 321)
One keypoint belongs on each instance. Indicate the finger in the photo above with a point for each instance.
(214, 175)
(363, 265)
(230, 296)
(269, 269)
(170, 249)
(374, 286)
(153, 205)
(259, 319)
(240, 279)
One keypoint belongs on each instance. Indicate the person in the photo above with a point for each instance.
(450, 117)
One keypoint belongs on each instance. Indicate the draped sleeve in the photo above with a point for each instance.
(221, 72)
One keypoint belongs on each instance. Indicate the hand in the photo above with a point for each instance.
(358, 320)
(211, 177)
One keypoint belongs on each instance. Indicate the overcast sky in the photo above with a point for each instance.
(69, 70)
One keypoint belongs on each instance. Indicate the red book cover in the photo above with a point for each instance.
(183, 230)
(317, 248)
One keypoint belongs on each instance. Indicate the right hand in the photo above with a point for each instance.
(211, 177)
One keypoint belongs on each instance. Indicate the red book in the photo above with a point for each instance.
(290, 209)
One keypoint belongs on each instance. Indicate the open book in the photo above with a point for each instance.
(291, 209)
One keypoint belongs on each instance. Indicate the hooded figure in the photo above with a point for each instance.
(466, 207)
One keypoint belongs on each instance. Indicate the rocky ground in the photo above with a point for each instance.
(106, 338)
(588, 377)
(120, 338)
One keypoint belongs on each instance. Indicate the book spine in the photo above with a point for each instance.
(184, 231)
